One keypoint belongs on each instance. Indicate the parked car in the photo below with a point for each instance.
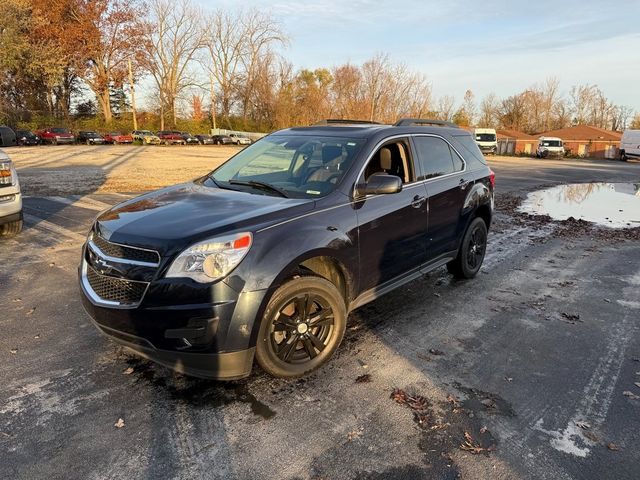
(169, 137)
(7, 137)
(266, 255)
(189, 139)
(90, 138)
(487, 140)
(10, 198)
(630, 145)
(27, 137)
(222, 140)
(56, 136)
(550, 147)
(204, 139)
(146, 137)
(239, 139)
(117, 138)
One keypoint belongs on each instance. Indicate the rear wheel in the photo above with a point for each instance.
(10, 229)
(472, 250)
(623, 156)
(302, 327)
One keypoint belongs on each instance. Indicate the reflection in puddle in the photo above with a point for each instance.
(615, 205)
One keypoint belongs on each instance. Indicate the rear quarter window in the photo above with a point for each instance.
(468, 147)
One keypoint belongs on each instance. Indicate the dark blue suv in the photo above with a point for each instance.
(265, 256)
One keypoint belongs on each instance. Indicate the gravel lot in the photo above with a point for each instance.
(531, 359)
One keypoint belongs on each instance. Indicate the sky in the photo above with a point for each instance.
(493, 46)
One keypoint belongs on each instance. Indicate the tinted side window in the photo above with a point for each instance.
(435, 157)
(469, 146)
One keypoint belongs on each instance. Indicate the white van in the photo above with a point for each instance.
(550, 147)
(630, 145)
(487, 140)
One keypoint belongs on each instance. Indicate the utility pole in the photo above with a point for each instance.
(213, 102)
(133, 97)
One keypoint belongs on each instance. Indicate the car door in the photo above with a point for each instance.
(392, 228)
(443, 172)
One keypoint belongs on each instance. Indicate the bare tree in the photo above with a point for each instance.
(173, 42)
(445, 108)
(489, 112)
(375, 77)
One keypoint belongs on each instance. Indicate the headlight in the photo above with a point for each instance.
(8, 173)
(212, 259)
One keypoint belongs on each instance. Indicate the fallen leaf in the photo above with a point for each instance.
(17, 299)
(435, 351)
(31, 311)
(637, 384)
(36, 336)
(453, 400)
(437, 294)
(355, 434)
(583, 425)
(509, 379)
(484, 430)
(366, 378)
(631, 395)
(607, 300)
(571, 317)
(52, 264)
(470, 445)
(119, 423)
(128, 371)
(612, 446)
(13, 350)
(488, 403)
(591, 436)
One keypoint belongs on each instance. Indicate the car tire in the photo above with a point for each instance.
(472, 251)
(301, 328)
(11, 229)
(54, 142)
(623, 156)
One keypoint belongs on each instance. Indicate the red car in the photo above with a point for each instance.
(117, 137)
(54, 136)
(168, 137)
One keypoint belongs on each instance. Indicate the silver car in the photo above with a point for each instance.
(10, 198)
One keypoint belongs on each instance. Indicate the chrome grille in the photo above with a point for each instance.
(110, 289)
(127, 253)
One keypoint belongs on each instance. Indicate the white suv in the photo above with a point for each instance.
(240, 139)
(550, 147)
(10, 198)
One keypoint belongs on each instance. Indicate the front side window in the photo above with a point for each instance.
(296, 166)
(391, 159)
(436, 157)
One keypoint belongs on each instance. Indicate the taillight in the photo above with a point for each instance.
(492, 179)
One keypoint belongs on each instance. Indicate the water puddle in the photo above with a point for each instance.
(614, 205)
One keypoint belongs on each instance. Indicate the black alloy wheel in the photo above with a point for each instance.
(302, 327)
(472, 251)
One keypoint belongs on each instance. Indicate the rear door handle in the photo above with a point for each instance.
(418, 201)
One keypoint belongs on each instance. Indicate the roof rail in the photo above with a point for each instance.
(344, 121)
(404, 122)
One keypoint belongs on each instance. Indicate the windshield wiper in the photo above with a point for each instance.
(262, 185)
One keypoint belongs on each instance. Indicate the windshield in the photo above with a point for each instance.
(300, 166)
(59, 130)
(485, 137)
(551, 143)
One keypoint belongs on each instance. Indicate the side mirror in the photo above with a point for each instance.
(380, 185)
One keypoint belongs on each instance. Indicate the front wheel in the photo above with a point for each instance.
(302, 327)
(623, 156)
(10, 229)
(472, 250)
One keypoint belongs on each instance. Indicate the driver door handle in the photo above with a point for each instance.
(418, 201)
(463, 184)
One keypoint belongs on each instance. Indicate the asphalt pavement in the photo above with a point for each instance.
(528, 371)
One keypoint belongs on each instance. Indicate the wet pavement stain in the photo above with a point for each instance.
(199, 393)
(613, 205)
(479, 401)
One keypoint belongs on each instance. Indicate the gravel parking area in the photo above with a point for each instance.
(529, 371)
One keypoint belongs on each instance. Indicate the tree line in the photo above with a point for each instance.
(64, 60)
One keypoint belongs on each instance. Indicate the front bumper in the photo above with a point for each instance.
(201, 330)
(62, 140)
(11, 206)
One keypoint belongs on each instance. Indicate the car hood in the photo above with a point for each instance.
(175, 217)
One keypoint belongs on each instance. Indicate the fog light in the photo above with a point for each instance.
(7, 198)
